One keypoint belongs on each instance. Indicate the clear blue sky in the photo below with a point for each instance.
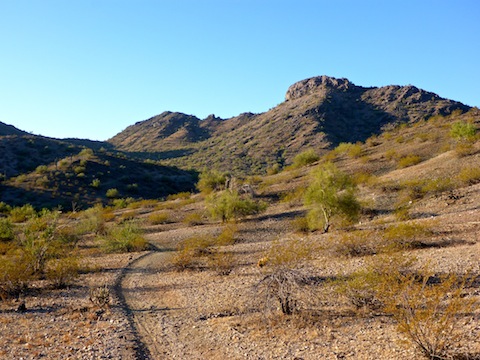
(90, 68)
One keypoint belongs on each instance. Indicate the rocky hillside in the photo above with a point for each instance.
(317, 113)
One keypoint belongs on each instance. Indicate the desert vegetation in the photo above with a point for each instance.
(362, 250)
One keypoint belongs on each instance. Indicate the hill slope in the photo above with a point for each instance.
(318, 113)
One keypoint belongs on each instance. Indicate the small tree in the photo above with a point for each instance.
(330, 193)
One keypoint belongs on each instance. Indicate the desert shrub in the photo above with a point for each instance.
(352, 150)
(330, 193)
(95, 183)
(6, 230)
(221, 262)
(159, 218)
(406, 235)
(41, 169)
(285, 282)
(227, 236)
(14, 276)
(293, 197)
(5, 208)
(274, 169)
(290, 252)
(464, 148)
(128, 216)
(61, 272)
(408, 160)
(432, 314)
(193, 219)
(367, 287)
(181, 195)
(229, 205)
(92, 221)
(282, 286)
(469, 175)
(300, 224)
(211, 180)
(112, 193)
(21, 214)
(126, 237)
(462, 130)
(39, 241)
(122, 203)
(191, 251)
(355, 243)
(305, 158)
(86, 153)
(391, 154)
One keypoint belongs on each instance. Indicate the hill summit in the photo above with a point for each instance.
(319, 112)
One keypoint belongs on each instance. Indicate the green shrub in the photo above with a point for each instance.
(305, 158)
(408, 160)
(112, 193)
(95, 183)
(159, 218)
(193, 219)
(227, 236)
(469, 175)
(6, 230)
(61, 272)
(211, 180)
(331, 192)
(352, 150)
(191, 251)
(41, 169)
(126, 237)
(15, 275)
(181, 195)
(462, 130)
(229, 205)
(21, 214)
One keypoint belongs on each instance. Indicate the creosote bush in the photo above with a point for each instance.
(126, 237)
(229, 205)
(305, 158)
(211, 180)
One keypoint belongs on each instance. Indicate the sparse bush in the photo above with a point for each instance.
(126, 237)
(432, 315)
(6, 230)
(112, 193)
(61, 272)
(14, 277)
(300, 224)
(469, 175)
(227, 236)
(190, 252)
(352, 150)
(41, 169)
(95, 183)
(159, 218)
(181, 195)
(221, 262)
(406, 235)
(462, 130)
(193, 219)
(305, 158)
(274, 169)
(230, 205)
(211, 180)
(408, 160)
(356, 243)
(331, 192)
(21, 214)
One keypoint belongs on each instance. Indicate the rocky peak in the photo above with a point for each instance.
(308, 86)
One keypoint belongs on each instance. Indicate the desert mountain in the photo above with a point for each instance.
(318, 113)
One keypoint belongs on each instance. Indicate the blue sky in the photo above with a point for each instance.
(90, 68)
